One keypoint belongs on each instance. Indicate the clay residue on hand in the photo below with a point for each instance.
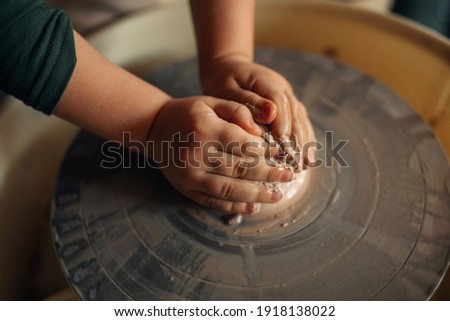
(292, 191)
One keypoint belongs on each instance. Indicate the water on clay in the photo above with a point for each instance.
(376, 227)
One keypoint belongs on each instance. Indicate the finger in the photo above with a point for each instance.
(224, 205)
(238, 114)
(311, 152)
(302, 128)
(298, 134)
(270, 85)
(236, 140)
(256, 169)
(233, 140)
(296, 137)
(299, 121)
(281, 126)
(282, 129)
(236, 190)
(263, 110)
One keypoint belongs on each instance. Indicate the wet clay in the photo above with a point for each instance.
(373, 225)
(274, 214)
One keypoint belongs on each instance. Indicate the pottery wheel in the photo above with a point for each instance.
(378, 228)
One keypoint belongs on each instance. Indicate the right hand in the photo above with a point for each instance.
(271, 98)
(216, 177)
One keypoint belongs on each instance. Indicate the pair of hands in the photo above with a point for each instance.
(214, 147)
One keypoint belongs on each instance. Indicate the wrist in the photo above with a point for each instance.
(206, 64)
(151, 129)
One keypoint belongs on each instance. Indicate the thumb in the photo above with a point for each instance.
(238, 114)
(264, 111)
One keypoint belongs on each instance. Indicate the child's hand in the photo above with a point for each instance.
(267, 94)
(209, 143)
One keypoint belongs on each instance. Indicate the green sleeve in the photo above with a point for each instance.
(37, 52)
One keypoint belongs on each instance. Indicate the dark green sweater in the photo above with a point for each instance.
(37, 52)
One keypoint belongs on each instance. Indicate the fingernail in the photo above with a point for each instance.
(266, 112)
(287, 175)
(276, 196)
(252, 208)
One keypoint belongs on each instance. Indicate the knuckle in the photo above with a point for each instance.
(272, 174)
(225, 136)
(211, 202)
(234, 106)
(228, 135)
(227, 190)
(240, 170)
(198, 127)
(261, 195)
(238, 207)
(251, 101)
(216, 204)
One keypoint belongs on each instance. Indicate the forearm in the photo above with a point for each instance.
(223, 28)
(106, 99)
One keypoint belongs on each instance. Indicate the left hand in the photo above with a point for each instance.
(269, 96)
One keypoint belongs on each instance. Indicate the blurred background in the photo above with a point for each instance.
(88, 15)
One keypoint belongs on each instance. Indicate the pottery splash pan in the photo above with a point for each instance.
(376, 227)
